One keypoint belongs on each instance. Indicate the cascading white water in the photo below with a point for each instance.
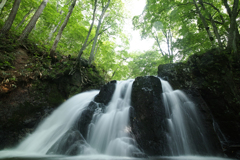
(108, 132)
(184, 125)
(53, 127)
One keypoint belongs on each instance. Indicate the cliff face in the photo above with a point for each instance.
(216, 79)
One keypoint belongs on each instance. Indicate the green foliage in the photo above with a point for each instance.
(189, 34)
(145, 64)
(6, 61)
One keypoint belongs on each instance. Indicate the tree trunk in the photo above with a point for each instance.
(11, 17)
(97, 31)
(2, 5)
(89, 32)
(213, 24)
(158, 43)
(33, 21)
(95, 52)
(54, 29)
(24, 18)
(233, 36)
(70, 10)
(204, 22)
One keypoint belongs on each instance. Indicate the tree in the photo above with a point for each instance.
(8, 24)
(71, 7)
(24, 18)
(2, 4)
(145, 64)
(233, 36)
(192, 22)
(33, 21)
(104, 9)
(213, 25)
(89, 32)
(204, 22)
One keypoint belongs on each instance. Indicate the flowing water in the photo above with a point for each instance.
(108, 133)
(184, 125)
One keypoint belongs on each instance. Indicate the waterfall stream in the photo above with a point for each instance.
(108, 132)
(185, 131)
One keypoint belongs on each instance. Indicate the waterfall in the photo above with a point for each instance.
(185, 130)
(108, 131)
(53, 127)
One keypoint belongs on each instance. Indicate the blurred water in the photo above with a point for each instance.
(104, 157)
(185, 132)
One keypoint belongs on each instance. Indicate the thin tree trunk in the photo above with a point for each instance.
(97, 31)
(166, 34)
(2, 5)
(33, 21)
(89, 32)
(98, 35)
(8, 24)
(213, 24)
(70, 10)
(203, 21)
(54, 29)
(170, 34)
(159, 46)
(95, 52)
(24, 18)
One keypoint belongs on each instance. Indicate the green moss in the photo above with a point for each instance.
(73, 90)
(54, 97)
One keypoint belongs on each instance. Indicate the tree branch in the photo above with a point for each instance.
(98, 35)
(216, 10)
(215, 21)
(227, 7)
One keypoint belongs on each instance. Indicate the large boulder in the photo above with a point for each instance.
(106, 93)
(147, 115)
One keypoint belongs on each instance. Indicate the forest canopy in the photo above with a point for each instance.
(93, 30)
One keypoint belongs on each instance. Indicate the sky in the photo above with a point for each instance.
(135, 7)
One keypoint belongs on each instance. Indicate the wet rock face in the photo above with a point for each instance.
(106, 93)
(85, 118)
(147, 115)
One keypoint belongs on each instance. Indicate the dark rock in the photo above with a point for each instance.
(85, 118)
(106, 93)
(147, 115)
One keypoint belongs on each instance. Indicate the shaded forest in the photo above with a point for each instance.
(94, 31)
